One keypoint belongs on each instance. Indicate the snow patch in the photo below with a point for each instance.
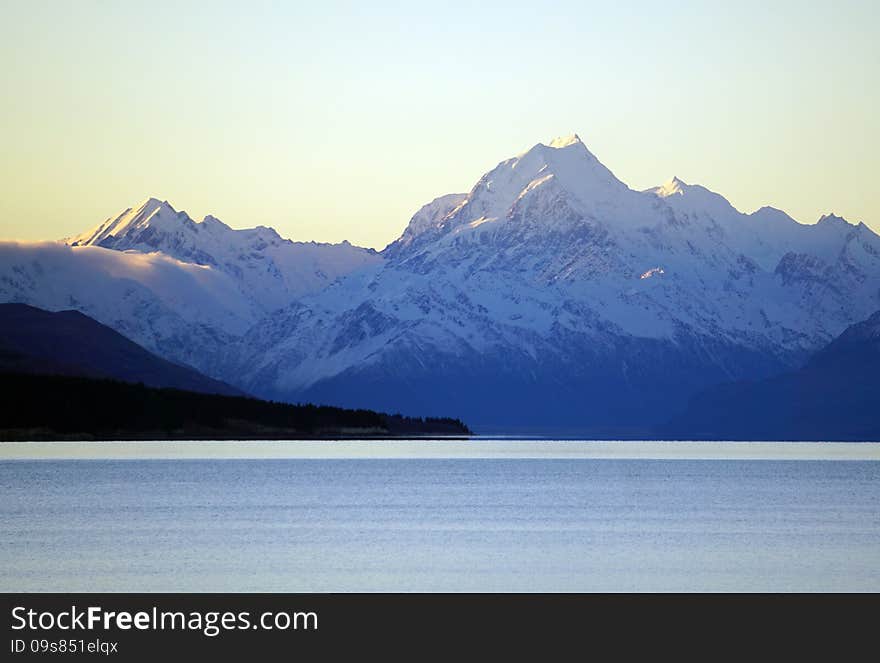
(652, 272)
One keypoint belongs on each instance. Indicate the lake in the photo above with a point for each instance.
(484, 515)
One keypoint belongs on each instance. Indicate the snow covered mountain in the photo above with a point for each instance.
(550, 296)
(181, 311)
(183, 289)
(270, 270)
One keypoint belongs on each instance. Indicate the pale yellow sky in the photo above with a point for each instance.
(338, 121)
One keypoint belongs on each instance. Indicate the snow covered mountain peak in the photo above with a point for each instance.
(678, 188)
(563, 155)
(694, 200)
(269, 269)
(566, 141)
(150, 205)
(833, 219)
(557, 182)
(149, 211)
(672, 187)
(211, 220)
(561, 187)
(141, 228)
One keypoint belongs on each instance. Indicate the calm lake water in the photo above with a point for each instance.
(527, 516)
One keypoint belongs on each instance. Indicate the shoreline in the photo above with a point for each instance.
(440, 449)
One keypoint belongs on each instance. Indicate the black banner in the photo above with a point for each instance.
(133, 627)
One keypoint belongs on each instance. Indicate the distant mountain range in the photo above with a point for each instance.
(551, 297)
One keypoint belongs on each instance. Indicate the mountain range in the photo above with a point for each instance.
(550, 297)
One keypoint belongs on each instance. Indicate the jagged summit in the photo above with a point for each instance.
(569, 150)
(570, 143)
(558, 186)
(210, 220)
(672, 187)
(694, 200)
(143, 222)
(833, 219)
(266, 267)
(565, 141)
(147, 211)
(150, 205)
(564, 168)
(148, 225)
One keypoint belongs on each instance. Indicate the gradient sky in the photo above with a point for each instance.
(334, 120)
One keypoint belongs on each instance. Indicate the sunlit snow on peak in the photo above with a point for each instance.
(565, 141)
(673, 187)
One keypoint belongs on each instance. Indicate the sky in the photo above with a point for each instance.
(335, 120)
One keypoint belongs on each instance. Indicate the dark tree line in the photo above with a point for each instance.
(35, 405)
